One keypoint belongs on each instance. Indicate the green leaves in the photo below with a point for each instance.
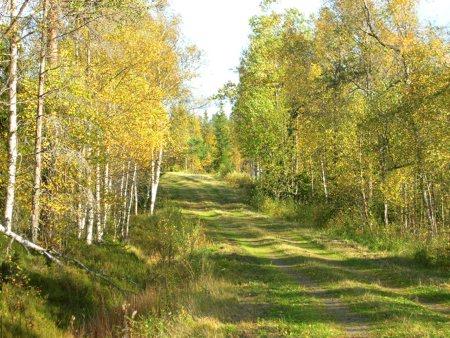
(354, 103)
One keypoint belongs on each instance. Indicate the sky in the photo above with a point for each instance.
(219, 28)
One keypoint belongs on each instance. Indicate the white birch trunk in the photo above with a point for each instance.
(28, 244)
(98, 203)
(386, 213)
(155, 182)
(406, 206)
(12, 107)
(81, 219)
(430, 207)
(324, 180)
(363, 188)
(90, 221)
(443, 218)
(107, 189)
(36, 207)
(125, 201)
(149, 191)
(118, 203)
(151, 181)
(53, 13)
(133, 189)
(136, 198)
(312, 176)
(81, 209)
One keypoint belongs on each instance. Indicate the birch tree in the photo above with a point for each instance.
(13, 39)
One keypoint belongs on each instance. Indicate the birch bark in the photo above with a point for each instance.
(107, 189)
(136, 199)
(98, 203)
(155, 183)
(125, 201)
(118, 204)
(324, 180)
(90, 223)
(36, 207)
(133, 188)
(81, 219)
(12, 107)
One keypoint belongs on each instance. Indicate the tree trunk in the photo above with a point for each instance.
(91, 207)
(107, 189)
(53, 27)
(133, 189)
(405, 207)
(324, 180)
(98, 202)
(149, 192)
(82, 205)
(36, 207)
(386, 213)
(429, 203)
(312, 177)
(136, 197)
(150, 183)
(81, 219)
(443, 218)
(156, 175)
(125, 202)
(12, 107)
(118, 203)
(28, 244)
(363, 189)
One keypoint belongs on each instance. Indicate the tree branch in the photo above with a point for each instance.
(30, 245)
(14, 19)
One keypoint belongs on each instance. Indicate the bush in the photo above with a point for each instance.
(239, 180)
(175, 236)
(286, 209)
(433, 254)
(307, 214)
(10, 271)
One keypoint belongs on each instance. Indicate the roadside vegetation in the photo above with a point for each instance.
(123, 287)
(343, 223)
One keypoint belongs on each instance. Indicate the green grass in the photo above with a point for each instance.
(389, 294)
(38, 299)
(347, 223)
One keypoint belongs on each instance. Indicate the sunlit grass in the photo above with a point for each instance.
(393, 295)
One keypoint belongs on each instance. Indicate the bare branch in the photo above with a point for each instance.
(16, 18)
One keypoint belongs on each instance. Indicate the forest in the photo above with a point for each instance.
(312, 202)
(350, 117)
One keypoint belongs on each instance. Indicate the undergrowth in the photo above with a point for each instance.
(347, 223)
(139, 281)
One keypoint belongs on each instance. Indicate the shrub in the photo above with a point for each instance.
(239, 180)
(10, 271)
(433, 254)
(307, 214)
(174, 236)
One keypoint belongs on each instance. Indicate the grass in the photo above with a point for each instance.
(38, 299)
(389, 294)
(348, 224)
(250, 275)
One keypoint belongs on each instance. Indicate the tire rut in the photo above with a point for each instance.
(353, 325)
